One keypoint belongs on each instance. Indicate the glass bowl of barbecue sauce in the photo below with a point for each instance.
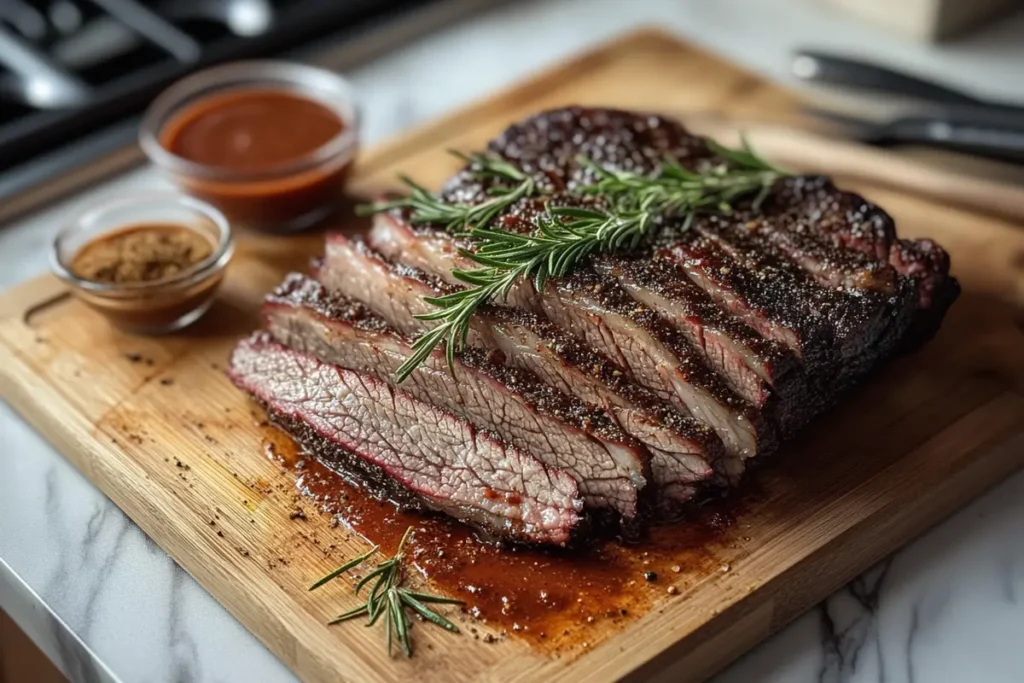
(150, 263)
(268, 143)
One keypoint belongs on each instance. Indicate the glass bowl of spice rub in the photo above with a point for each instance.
(150, 263)
(269, 143)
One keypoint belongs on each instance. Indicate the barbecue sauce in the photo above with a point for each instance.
(263, 154)
(251, 130)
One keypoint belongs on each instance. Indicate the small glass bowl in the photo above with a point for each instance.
(286, 197)
(160, 306)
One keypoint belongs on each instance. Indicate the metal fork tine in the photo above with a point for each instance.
(154, 28)
(42, 82)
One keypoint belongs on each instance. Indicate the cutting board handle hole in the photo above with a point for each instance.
(42, 306)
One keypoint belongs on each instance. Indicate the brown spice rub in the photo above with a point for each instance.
(144, 253)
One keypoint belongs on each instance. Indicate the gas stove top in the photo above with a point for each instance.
(72, 70)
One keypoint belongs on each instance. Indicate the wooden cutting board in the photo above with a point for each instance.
(173, 443)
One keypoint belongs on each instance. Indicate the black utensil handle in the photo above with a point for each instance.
(819, 67)
(992, 143)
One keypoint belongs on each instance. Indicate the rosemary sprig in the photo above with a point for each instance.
(460, 218)
(388, 598)
(566, 236)
(676, 191)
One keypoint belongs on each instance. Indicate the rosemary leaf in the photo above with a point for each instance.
(440, 599)
(428, 614)
(425, 207)
(374, 605)
(399, 620)
(343, 568)
(484, 165)
(381, 569)
(744, 157)
(455, 311)
(351, 614)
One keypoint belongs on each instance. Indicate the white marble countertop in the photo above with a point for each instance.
(107, 604)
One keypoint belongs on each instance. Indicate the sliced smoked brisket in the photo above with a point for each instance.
(674, 363)
(597, 310)
(405, 449)
(610, 467)
(773, 311)
(762, 371)
(683, 450)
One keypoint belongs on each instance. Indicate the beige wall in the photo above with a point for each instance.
(926, 19)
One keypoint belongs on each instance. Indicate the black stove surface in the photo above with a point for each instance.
(69, 68)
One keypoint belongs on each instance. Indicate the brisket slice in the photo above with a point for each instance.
(435, 253)
(561, 431)
(846, 241)
(596, 310)
(683, 450)
(760, 370)
(405, 449)
(836, 332)
(927, 264)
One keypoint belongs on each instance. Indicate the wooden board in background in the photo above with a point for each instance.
(931, 432)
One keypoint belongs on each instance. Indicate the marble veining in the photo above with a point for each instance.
(184, 654)
(849, 627)
(944, 608)
(108, 605)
